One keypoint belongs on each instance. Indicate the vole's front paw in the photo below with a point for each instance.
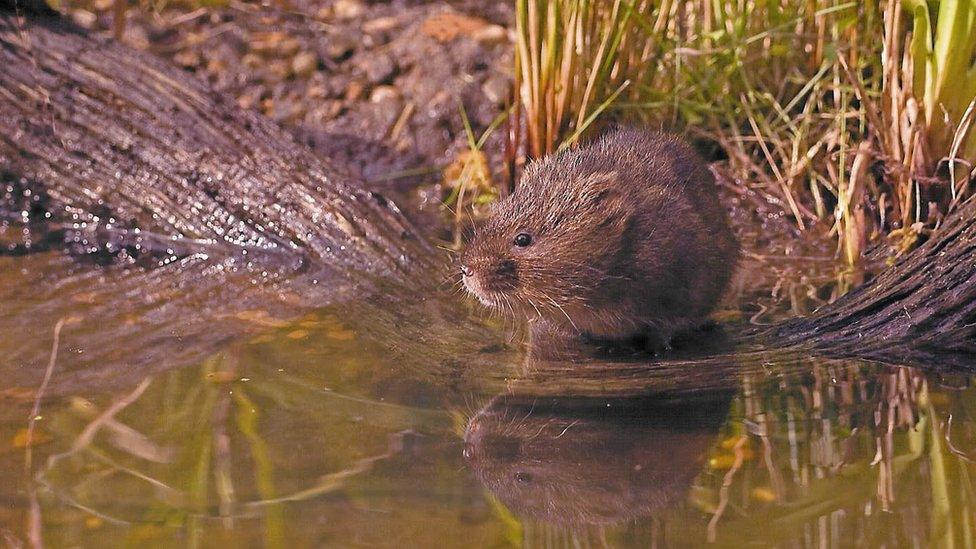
(653, 343)
(658, 347)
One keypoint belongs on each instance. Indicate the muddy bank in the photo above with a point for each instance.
(374, 86)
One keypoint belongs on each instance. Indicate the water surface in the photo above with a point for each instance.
(308, 432)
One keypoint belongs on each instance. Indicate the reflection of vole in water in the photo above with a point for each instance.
(623, 237)
(577, 463)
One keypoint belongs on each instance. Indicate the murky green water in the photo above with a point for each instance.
(307, 433)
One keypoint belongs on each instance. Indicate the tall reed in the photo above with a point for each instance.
(847, 114)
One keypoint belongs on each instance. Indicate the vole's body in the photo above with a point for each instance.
(626, 237)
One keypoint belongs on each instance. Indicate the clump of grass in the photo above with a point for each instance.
(851, 116)
(923, 120)
(573, 59)
(469, 176)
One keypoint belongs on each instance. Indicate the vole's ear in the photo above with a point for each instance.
(602, 198)
(602, 193)
(600, 187)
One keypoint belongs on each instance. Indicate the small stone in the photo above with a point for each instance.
(304, 63)
(325, 13)
(380, 24)
(316, 91)
(103, 5)
(187, 59)
(137, 37)
(348, 9)
(287, 111)
(497, 89)
(266, 42)
(277, 70)
(379, 68)
(492, 34)
(386, 112)
(250, 97)
(340, 45)
(334, 108)
(289, 47)
(355, 90)
(327, 84)
(84, 18)
(216, 65)
(322, 113)
(384, 93)
(251, 61)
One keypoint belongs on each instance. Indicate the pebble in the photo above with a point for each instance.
(355, 90)
(384, 93)
(251, 61)
(250, 97)
(380, 24)
(491, 34)
(266, 42)
(137, 37)
(316, 91)
(304, 63)
(387, 110)
(340, 44)
(379, 68)
(84, 18)
(324, 13)
(289, 47)
(277, 70)
(348, 9)
(187, 59)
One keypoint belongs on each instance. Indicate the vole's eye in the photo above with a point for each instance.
(523, 239)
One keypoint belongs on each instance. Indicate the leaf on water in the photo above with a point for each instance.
(222, 376)
(297, 334)
(721, 462)
(335, 329)
(732, 442)
(704, 499)
(342, 335)
(724, 461)
(261, 318)
(84, 297)
(17, 393)
(23, 439)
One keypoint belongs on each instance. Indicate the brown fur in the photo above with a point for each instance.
(628, 239)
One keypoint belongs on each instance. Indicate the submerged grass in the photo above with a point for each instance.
(852, 115)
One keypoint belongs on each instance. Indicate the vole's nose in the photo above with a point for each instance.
(465, 270)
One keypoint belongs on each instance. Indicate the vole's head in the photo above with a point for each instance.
(549, 247)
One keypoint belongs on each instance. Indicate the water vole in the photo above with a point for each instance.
(620, 238)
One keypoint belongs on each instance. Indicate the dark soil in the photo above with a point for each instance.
(374, 86)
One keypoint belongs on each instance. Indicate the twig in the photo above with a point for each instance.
(724, 491)
(34, 528)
